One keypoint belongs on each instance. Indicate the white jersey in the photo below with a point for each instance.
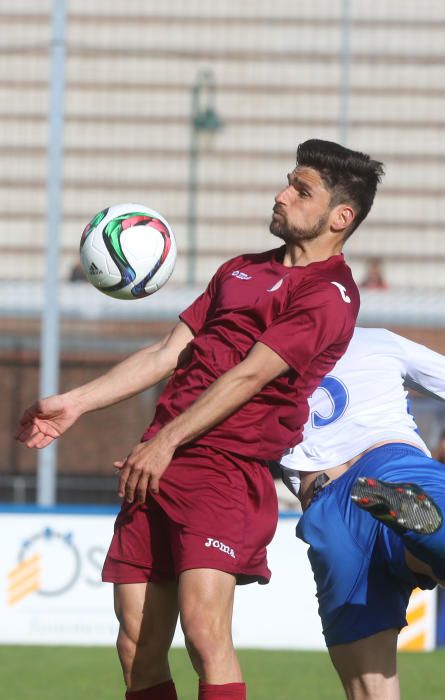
(363, 401)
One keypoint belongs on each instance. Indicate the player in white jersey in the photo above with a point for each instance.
(361, 447)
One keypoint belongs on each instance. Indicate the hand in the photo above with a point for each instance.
(143, 468)
(45, 421)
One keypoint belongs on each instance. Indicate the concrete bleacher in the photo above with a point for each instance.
(277, 68)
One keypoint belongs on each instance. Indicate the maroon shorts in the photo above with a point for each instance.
(215, 510)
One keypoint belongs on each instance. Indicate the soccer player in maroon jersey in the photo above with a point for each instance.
(199, 502)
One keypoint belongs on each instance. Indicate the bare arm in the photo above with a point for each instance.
(146, 463)
(228, 393)
(49, 418)
(138, 372)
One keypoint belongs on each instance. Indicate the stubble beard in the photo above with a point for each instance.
(295, 234)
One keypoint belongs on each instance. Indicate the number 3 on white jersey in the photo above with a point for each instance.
(338, 396)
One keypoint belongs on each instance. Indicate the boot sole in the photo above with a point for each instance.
(404, 507)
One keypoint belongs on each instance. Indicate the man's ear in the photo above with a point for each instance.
(343, 216)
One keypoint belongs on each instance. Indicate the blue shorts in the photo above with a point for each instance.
(363, 583)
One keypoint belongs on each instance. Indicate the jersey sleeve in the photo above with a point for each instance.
(314, 320)
(196, 314)
(424, 368)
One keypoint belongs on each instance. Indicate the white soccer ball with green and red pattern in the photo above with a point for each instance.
(128, 251)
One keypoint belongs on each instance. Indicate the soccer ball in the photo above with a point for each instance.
(128, 251)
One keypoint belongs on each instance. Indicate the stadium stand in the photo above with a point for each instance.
(277, 71)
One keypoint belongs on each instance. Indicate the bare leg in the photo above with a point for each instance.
(147, 615)
(368, 667)
(206, 605)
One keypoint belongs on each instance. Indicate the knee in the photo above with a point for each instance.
(368, 667)
(372, 687)
(207, 640)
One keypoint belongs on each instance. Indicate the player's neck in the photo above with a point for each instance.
(309, 252)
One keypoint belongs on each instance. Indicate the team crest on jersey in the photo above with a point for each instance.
(278, 284)
(241, 275)
(221, 546)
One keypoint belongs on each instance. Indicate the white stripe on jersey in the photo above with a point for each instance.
(363, 401)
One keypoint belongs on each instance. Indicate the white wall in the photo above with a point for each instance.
(50, 589)
(51, 593)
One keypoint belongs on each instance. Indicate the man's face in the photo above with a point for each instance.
(302, 209)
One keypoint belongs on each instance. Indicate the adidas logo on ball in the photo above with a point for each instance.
(94, 270)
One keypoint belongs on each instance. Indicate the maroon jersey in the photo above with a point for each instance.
(304, 314)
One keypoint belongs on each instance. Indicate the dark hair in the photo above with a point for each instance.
(352, 177)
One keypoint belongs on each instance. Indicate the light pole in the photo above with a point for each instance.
(345, 70)
(204, 119)
(49, 336)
